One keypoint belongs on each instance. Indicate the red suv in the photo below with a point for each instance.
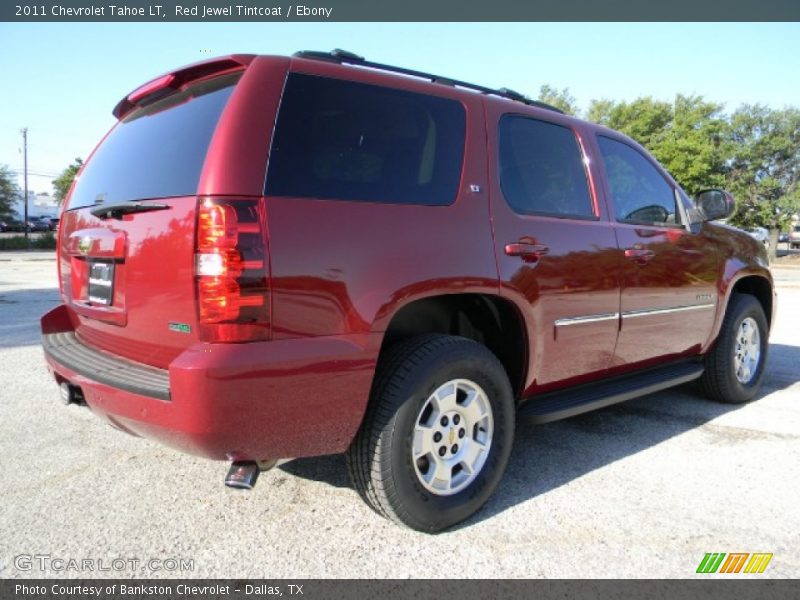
(273, 257)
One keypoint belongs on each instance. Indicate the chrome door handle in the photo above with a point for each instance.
(639, 255)
(528, 252)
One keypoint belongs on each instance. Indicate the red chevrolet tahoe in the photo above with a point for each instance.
(272, 257)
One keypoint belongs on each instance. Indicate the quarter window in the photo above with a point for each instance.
(352, 141)
(542, 169)
(640, 193)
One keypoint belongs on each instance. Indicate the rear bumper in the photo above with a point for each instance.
(67, 350)
(253, 401)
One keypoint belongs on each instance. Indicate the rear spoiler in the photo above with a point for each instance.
(169, 82)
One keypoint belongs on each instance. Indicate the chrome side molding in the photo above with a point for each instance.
(665, 311)
(630, 314)
(586, 319)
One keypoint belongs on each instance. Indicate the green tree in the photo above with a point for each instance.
(62, 183)
(9, 191)
(692, 146)
(561, 99)
(764, 169)
(687, 136)
(643, 119)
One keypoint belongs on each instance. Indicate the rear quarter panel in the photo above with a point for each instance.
(341, 267)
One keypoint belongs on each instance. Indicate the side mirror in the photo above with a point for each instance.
(714, 204)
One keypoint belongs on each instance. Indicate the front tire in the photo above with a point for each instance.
(438, 432)
(734, 369)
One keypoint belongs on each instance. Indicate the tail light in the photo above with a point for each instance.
(231, 271)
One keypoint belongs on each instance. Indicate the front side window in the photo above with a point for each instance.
(640, 193)
(344, 140)
(542, 169)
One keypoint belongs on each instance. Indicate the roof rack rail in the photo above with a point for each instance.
(345, 57)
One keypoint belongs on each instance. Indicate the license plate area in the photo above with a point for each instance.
(101, 282)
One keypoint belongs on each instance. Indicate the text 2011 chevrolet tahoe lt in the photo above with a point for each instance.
(272, 257)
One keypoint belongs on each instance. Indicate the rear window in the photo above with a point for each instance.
(351, 141)
(157, 151)
(542, 169)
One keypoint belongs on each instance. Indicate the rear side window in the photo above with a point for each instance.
(351, 141)
(542, 170)
(640, 193)
(157, 151)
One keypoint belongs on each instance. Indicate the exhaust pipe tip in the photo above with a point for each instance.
(66, 393)
(242, 475)
(70, 394)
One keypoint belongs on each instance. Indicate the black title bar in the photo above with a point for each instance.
(316, 589)
(399, 10)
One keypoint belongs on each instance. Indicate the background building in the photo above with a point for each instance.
(39, 205)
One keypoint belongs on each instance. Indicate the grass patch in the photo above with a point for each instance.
(45, 241)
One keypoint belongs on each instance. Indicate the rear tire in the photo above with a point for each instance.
(734, 369)
(437, 434)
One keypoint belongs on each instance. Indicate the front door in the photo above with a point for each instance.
(668, 274)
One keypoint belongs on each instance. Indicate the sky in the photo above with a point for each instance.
(61, 80)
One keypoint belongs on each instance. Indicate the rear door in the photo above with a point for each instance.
(556, 251)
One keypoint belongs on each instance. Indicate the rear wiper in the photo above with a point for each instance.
(125, 208)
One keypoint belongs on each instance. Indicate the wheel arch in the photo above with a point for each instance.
(761, 288)
(488, 319)
(757, 284)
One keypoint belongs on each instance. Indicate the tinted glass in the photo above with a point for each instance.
(350, 141)
(157, 151)
(640, 194)
(542, 169)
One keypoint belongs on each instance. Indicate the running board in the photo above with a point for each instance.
(562, 404)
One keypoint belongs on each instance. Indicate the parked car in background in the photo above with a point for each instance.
(53, 223)
(38, 224)
(11, 225)
(794, 237)
(783, 237)
(759, 233)
(438, 263)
